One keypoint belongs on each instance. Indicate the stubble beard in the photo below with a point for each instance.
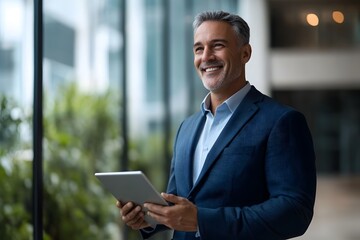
(214, 83)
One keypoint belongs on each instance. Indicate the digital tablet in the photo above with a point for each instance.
(131, 186)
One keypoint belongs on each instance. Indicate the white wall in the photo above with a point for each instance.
(315, 69)
(278, 69)
(255, 13)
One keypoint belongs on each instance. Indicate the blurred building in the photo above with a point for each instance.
(305, 53)
(314, 66)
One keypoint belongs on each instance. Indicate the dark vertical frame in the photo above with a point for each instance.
(124, 161)
(189, 57)
(166, 85)
(38, 122)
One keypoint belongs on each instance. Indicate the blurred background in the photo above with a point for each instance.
(118, 79)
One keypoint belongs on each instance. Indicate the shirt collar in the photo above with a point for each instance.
(232, 102)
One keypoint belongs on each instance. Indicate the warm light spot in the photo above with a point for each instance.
(338, 17)
(312, 19)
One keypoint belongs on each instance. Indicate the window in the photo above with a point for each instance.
(96, 76)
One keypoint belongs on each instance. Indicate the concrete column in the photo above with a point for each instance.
(255, 13)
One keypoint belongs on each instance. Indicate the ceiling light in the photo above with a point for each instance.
(312, 19)
(338, 17)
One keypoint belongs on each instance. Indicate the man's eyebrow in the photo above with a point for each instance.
(197, 44)
(219, 40)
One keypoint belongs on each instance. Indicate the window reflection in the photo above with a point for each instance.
(82, 106)
(15, 120)
(82, 76)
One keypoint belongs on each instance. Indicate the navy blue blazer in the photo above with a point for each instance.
(259, 178)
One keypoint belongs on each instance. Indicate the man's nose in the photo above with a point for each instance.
(208, 54)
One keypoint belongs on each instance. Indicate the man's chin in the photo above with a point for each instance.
(211, 87)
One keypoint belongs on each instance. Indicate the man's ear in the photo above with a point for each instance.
(246, 53)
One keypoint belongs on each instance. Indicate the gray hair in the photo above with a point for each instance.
(239, 25)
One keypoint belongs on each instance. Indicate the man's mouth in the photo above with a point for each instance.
(210, 69)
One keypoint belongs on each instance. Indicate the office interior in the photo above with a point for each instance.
(116, 80)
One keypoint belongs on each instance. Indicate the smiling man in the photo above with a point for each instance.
(220, 58)
(243, 167)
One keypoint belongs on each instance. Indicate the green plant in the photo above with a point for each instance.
(15, 176)
(81, 137)
(10, 121)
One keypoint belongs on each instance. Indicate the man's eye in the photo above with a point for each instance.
(218, 45)
(198, 50)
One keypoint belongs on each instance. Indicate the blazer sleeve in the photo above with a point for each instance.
(289, 167)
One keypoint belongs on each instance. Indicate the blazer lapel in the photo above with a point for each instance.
(241, 116)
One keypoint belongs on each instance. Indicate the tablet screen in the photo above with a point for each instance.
(131, 186)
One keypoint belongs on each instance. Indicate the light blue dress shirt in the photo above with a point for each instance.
(214, 125)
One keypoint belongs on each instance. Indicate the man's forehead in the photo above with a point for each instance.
(213, 25)
(213, 30)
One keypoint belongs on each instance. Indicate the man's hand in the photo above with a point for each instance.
(182, 216)
(132, 215)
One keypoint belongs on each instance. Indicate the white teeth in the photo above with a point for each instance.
(211, 69)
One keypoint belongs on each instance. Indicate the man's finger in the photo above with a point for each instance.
(172, 198)
(131, 214)
(134, 219)
(127, 208)
(138, 224)
(154, 208)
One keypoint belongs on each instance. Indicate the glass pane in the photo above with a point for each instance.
(333, 117)
(16, 96)
(82, 134)
(150, 59)
(147, 112)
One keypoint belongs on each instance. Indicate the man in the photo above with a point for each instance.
(244, 166)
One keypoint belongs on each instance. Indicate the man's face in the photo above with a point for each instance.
(219, 57)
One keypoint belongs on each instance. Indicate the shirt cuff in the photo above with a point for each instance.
(197, 232)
